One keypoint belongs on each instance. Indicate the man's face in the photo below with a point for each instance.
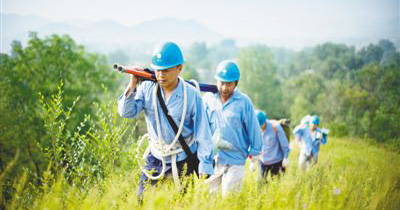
(314, 126)
(168, 78)
(226, 88)
(264, 126)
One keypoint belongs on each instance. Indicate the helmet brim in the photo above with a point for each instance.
(160, 68)
(226, 80)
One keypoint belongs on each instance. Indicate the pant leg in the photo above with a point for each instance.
(181, 166)
(304, 161)
(261, 172)
(276, 168)
(185, 171)
(152, 163)
(264, 169)
(232, 179)
(215, 180)
(315, 158)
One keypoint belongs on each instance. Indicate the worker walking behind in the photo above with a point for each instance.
(184, 104)
(275, 147)
(234, 126)
(309, 137)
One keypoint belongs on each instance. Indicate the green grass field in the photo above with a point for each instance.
(351, 174)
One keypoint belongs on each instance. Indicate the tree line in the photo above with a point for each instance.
(58, 110)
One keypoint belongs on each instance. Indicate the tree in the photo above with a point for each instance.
(198, 66)
(258, 80)
(38, 68)
(371, 54)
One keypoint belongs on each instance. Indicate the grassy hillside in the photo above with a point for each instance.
(351, 174)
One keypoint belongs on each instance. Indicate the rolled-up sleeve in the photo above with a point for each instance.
(202, 134)
(129, 106)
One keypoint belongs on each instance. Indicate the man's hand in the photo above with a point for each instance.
(204, 176)
(285, 163)
(253, 161)
(252, 166)
(132, 84)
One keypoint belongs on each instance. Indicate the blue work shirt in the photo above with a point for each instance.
(311, 140)
(195, 124)
(275, 145)
(237, 124)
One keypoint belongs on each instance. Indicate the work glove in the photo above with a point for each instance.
(252, 166)
(318, 136)
(285, 163)
(204, 176)
(219, 142)
(253, 162)
(222, 144)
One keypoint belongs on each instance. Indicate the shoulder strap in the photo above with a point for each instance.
(273, 124)
(274, 127)
(193, 162)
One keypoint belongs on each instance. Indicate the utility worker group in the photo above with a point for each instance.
(212, 135)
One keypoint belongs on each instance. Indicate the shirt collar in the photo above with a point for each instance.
(235, 95)
(178, 91)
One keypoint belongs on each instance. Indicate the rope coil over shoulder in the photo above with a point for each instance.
(163, 149)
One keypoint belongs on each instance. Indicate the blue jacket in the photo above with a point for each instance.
(237, 124)
(195, 124)
(275, 145)
(311, 141)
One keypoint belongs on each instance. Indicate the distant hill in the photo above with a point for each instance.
(107, 34)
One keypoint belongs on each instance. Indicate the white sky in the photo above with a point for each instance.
(254, 19)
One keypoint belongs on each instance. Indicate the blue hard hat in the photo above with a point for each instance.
(227, 71)
(166, 55)
(261, 117)
(315, 120)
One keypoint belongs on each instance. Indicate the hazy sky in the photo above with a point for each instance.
(298, 19)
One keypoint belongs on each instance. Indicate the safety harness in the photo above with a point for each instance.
(160, 148)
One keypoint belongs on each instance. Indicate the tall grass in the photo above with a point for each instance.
(93, 167)
(351, 174)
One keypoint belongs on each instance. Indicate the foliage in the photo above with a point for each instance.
(82, 157)
(355, 92)
(258, 79)
(205, 59)
(27, 76)
(351, 174)
(63, 145)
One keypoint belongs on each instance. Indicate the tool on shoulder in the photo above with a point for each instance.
(148, 74)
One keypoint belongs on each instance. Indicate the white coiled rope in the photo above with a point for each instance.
(163, 149)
